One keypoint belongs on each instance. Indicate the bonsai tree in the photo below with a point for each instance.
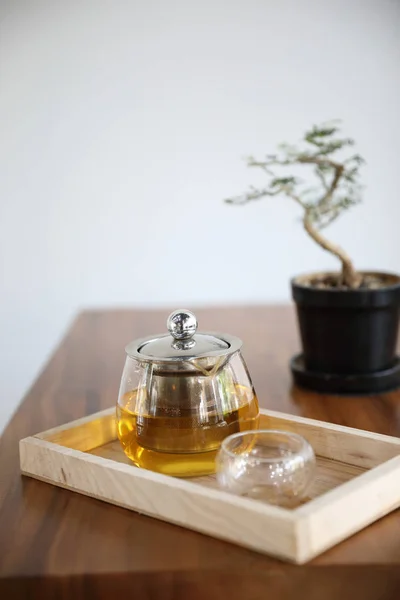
(337, 186)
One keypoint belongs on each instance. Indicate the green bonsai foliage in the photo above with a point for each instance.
(337, 186)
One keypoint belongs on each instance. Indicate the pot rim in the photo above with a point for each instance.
(296, 282)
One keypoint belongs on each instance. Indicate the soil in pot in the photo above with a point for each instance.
(326, 281)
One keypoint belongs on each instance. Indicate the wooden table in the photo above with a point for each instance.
(54, 543)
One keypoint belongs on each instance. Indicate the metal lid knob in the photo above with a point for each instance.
(182, 324)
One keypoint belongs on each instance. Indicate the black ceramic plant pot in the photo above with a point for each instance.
(349, 337)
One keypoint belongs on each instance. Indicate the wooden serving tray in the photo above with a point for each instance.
(357, 482)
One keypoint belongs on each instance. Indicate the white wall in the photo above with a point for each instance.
(123, 125)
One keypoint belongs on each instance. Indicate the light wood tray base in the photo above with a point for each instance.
(356, 483)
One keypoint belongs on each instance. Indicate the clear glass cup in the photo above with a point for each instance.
(274, 466)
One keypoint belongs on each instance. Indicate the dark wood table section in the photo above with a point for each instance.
(55, 543)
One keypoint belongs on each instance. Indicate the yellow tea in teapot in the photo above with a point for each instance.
(182, 440)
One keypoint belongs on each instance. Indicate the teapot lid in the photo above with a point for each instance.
(182, 342)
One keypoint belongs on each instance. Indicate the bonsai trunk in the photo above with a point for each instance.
(350, 277)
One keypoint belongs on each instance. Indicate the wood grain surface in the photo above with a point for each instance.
(54, 543)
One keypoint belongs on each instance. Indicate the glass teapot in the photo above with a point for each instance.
(181, 394)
